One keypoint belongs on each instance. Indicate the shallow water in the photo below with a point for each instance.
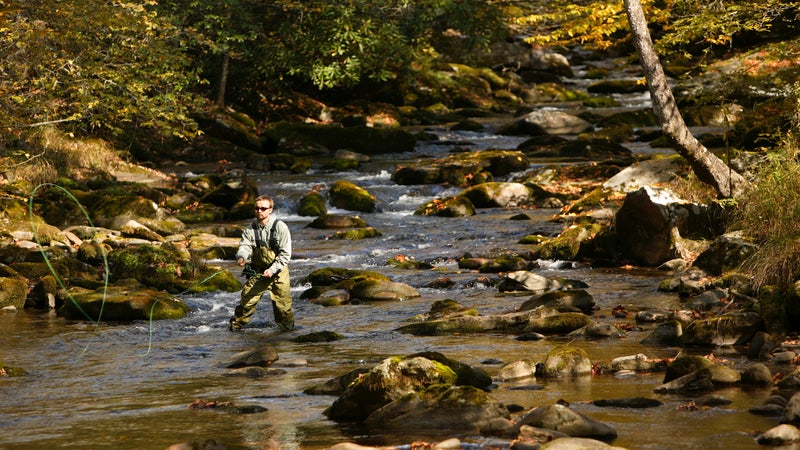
(128, 386)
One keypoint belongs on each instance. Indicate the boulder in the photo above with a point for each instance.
(541, 122)
(257, 357)
(697, 381)
(498, 194)
(453, 206)
(382, 290)
(462, 409)
(122, 303)
(566, 300)
(647, 226)
(566, 361)
(312, 204)
(781, 435)
(391, 380)
(724, 330)
(362, 139)
(347, 195)
(565, 420)
(13, 292)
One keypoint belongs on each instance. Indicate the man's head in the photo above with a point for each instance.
(263, 207)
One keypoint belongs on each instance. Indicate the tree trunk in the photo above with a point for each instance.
(223, 80)
(705, 164)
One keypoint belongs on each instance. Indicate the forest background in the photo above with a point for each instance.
(85, 84)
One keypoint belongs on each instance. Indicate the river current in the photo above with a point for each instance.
(129, 386)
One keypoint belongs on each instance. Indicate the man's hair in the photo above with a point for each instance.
(265, 197)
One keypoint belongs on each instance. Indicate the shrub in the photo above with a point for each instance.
(769, 214)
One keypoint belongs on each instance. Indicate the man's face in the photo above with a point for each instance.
(263, 209)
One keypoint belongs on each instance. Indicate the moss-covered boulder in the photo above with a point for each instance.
(113, 211)
(312, 204)
(201, 213)
(13, 292)
(568, 299)
(512, 323)
(572, 244)
(356, 234)
(505, 263)
(164, 269)
(347, 195)
(736, 328)
(11, 371)
(463, 409)
(330, 276)
(124, 303)
(453, 206)
(559, 324)
(333, 221)
(235, 187)
(391, 380)
(564, 361)
(381, 290)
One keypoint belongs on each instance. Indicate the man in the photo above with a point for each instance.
(267, 244)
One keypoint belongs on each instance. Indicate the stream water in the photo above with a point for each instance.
(129, 386)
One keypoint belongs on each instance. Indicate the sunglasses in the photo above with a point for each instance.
(261, 208)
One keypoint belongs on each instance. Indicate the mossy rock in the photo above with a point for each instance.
(567, 246)
(114, 210)
(347, 195)
(312, 204)
(505, 263)
(124, 303)
(13, 292)
(319, 336)
(203, 213)
(454, 206)
(356, 234)
(684, 365)
(329, 221)
(164, 269)
(566, 361)
(330, 276)
(341, 164)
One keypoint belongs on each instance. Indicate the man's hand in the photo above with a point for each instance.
(267, 273)
(241, 262)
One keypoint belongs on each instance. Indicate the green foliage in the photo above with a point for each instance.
(678, 26)
(95, 67)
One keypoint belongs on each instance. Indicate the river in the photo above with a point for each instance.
(129, 386)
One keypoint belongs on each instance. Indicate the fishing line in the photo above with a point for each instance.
(107, 270)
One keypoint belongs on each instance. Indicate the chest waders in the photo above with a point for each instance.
(256, 286)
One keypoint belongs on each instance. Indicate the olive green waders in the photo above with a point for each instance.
(256, 286)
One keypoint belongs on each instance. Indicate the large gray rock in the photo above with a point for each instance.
(546, 122)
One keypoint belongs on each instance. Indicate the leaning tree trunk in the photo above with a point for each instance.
(705, 164)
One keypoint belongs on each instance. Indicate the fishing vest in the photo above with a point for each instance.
(265, 252)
